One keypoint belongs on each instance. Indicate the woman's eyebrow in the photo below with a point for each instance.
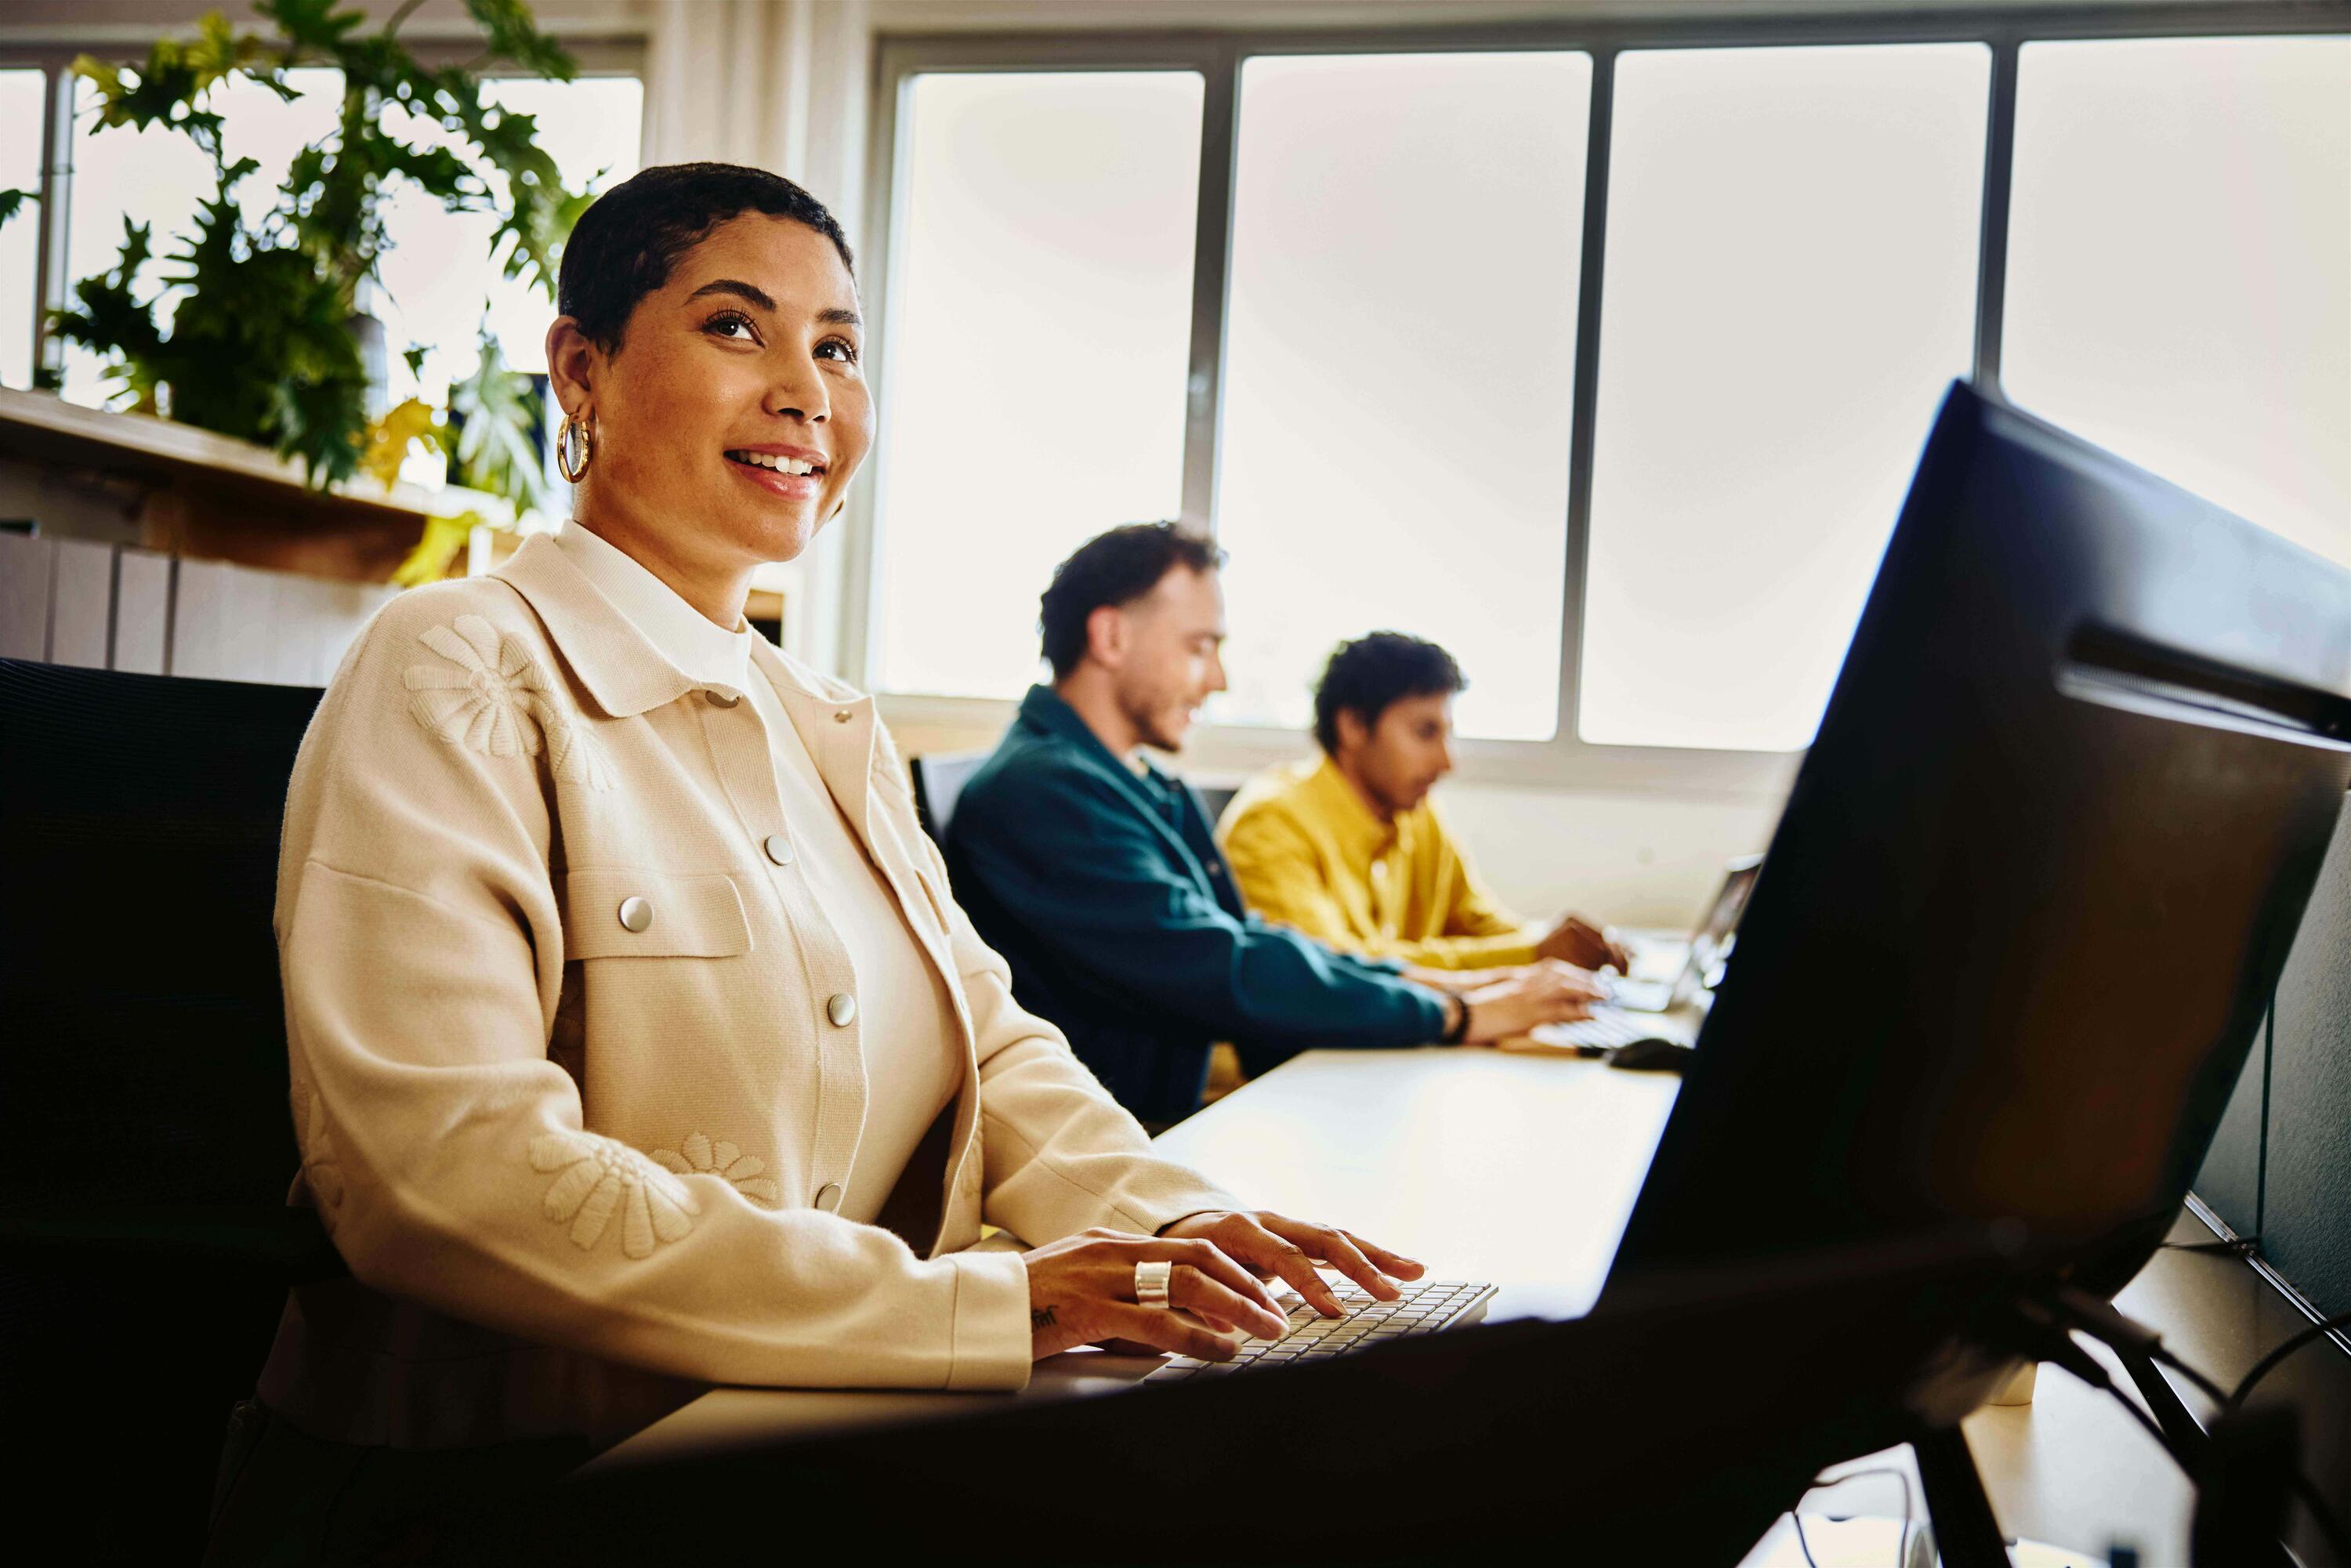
(750, 292)
(836, 316)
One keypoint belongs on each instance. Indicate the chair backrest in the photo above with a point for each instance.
(939, 778)
(145, 1144)
(139, 826)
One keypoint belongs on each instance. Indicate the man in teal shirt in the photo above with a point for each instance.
(1096, 876)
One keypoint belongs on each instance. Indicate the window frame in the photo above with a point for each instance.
(53, 280)
(1565, 760)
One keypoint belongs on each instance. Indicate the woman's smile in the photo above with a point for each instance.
(795, 472)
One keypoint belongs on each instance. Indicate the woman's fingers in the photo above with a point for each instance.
(1335, 1248)
(1222, 1306)
(1396, 1265)
(1215, 1263)
(1166, 1330)
(1269, 1250)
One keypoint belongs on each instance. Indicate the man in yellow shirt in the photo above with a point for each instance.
(1348, 848)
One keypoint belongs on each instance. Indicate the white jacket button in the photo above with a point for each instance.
(828, 1196)
(636, 914)
(779, 848)
(840, 1009)
(721, 699)
(840, 716)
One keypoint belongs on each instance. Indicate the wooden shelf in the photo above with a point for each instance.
(199, 493)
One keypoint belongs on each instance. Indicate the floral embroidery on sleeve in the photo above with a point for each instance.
(700, 1157)
(491, 696)
(596, 1177)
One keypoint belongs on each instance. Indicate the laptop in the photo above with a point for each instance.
(1667, 974)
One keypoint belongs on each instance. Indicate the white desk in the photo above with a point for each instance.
(1519, 1169)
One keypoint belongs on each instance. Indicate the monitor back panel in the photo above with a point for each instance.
(2053, 838)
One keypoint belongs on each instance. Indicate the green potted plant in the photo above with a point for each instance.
(264, 339)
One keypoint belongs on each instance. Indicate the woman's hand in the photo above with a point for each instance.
(1271, 1244)
(1081, 1292)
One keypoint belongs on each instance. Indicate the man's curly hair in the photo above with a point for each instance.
(1368, 674)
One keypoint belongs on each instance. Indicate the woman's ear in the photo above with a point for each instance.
(572, 362)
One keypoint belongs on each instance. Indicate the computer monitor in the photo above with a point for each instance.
(2054, 836)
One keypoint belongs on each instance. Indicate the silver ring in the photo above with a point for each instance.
(1151, 1284)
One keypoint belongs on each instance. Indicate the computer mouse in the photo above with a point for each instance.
(1652, 1055)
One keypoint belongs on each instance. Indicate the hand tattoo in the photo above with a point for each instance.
(1041, 1318)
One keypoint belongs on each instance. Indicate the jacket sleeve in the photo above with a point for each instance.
(1080, 867)
(1275, 865)
(422, 952)
(1062, 1155)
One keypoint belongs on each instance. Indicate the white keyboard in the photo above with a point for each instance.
(1425, 1307)
(1609, 1027)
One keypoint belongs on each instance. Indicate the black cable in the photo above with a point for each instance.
(2101, 1319)
(2269, 1363)
(2162, 1354)
(1822, 1483)
(2313, 1500)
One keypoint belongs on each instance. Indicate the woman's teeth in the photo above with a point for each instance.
(770, 460)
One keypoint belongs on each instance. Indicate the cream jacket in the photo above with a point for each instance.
(575, 1056)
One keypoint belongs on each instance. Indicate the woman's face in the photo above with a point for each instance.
(730, 422)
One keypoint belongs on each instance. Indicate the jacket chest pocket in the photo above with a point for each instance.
(620, 913)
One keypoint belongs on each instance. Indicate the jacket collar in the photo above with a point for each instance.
(1044, 708)
(622, 670)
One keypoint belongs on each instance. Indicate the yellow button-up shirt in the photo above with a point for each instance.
(1309, 852)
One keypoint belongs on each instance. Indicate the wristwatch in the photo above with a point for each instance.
(1459, 1029)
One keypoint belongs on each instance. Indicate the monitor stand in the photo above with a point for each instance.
(1966, 1533)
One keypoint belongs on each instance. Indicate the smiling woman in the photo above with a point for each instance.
(637, 1043)
(741, 329)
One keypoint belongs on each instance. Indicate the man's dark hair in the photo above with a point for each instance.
(1365, 676)
(1116, 568)
(625, 245)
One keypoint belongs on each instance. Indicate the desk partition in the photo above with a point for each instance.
(2279, 1169)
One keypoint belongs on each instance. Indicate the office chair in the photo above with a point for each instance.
(145, 1142)
(938, 780)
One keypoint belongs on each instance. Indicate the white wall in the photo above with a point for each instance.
(1649, 858)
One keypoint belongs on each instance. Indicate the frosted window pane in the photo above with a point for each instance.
(160, 177)
(1790, 288)
(1398, 368)
(1040, 320)
(21, 101)
(441, 272)
(2179, 265)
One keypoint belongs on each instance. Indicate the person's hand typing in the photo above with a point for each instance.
(1546, 991)
(1275, 1246)
(1081, 1292)
(1575, 940)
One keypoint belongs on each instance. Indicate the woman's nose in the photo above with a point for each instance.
(799, 393)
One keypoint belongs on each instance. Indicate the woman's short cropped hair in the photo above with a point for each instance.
(1116, 568)
(1366, 677)
(625, 244)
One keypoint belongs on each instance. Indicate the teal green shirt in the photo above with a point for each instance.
(1105, 892)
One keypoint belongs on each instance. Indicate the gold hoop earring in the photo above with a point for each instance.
(575, 448)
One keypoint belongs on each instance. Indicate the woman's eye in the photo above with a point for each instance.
(837, 349)
(723, 325)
